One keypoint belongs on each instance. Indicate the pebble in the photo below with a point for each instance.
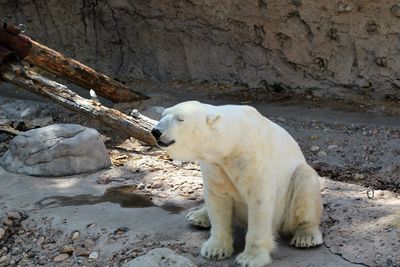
(93, 255)
(322, 154)
(2, 233)
(395, 10)
(397, 83)
(314, 137)
(3, 259)
(89, 243)
(61, 257)
(7, 221)
(40, 241)
(67, 249)
(42, 260)
(75, 235)
(332, 147)
(14, 215)
(314, 148)
(280, 119)
(358, 176)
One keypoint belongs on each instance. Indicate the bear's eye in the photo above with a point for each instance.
(179, 119)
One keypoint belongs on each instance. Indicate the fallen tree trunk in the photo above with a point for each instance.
(64, 67)
(138, 127)
(78, 73)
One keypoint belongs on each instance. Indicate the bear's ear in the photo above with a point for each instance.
(212, 119)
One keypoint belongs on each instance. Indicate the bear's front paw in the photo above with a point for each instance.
(307, 238)
(199, 218)
(253, 258)
(217, 249)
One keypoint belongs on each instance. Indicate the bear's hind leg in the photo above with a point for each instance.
(305, 208)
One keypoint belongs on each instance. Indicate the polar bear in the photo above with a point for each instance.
(254, 174)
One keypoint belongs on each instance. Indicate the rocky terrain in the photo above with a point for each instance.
(112, 216)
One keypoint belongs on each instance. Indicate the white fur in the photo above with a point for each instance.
(253, 171)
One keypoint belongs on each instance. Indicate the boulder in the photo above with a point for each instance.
(160, 257)
(56, 150)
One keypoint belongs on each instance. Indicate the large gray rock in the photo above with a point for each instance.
(160, 257)
(56, 150)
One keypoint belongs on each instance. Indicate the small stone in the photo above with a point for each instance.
(322, 154)
(42, 260)
(280, 119)
(121, 230)
(314, 148)
(135, 113)
(61, 257)
(371, 26)
(358, 176)
(381, 61)
(342, 7)
(7, 221)
(40, 241)
(82, 252)
(89, 243)
(2, 233)
(68, 249)
(397, 83)
(75, 235)
(13, 215)
(93, 255)
(314, 137)
(3, 259)
(363, 83)
(395, 10)
(330, 147)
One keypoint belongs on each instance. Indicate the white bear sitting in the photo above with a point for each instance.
(254, 173)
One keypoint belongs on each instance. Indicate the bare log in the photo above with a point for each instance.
(138, 127)
(76, 72)
(65, 67)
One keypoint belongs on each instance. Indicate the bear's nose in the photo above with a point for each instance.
(156, 133)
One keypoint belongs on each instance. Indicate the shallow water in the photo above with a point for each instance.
(126, 196)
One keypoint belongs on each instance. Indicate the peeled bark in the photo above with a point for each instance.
(138, 127)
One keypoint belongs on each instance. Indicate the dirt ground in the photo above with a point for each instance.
(108, 217)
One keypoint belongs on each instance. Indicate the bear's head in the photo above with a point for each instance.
(187, 131)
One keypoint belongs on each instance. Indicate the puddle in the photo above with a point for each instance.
(126, 196)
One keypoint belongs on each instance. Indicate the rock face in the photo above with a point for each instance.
(56, 150)
(330, 48)
(160, 257)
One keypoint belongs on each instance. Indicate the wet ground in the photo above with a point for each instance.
(108, 217)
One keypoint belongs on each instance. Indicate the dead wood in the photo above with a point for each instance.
(9, 130)
(76, 72)
(138, 127)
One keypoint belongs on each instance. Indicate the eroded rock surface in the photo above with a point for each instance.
(327, 48)
(55, 150)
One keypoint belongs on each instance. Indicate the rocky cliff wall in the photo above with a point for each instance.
(327, 48)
